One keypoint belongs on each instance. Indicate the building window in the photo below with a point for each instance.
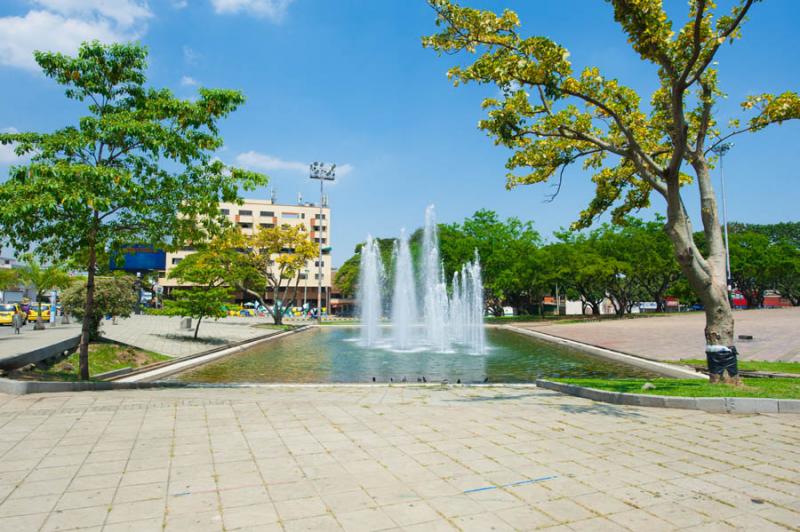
(290, 215)
(267, 214)
(224, 211)
(317, 263)
(303, 275)
(245, 213)
(319, 228)
(245, 225)
(188, 248)
(266, 225)
(176, 261)
(316, 216)
(316, 277)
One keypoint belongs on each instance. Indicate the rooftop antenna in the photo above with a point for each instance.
(299, 198)
(273, 196)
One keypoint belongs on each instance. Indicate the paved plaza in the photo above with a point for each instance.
(387, 458)
(774, 331)
(29, 340)
(162, 334)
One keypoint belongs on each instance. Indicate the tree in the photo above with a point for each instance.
(551, 118)
(44, 278)
(785, 270)
(8, 277)
(114, 296)
(206, 270)
(750, 266)
(266, 263)
(580, 268)
(139, 168)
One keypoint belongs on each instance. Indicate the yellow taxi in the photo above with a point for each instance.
(7, 311)
(33, 313)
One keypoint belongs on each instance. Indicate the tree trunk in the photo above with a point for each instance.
(88, 309)
(705, 275)
(197, 327)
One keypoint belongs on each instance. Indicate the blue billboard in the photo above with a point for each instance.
(138, 258)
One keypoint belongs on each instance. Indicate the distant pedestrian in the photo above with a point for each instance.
(17, 320)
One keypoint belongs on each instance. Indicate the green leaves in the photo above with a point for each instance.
(138, 167)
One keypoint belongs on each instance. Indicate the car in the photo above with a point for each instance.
(33, 313)
(7, 311)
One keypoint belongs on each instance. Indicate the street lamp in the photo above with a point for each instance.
(323, 172)
(721, 150)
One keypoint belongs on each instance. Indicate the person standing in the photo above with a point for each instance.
(17, 320)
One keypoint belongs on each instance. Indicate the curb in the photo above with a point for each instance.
(667, 370)
(718, 405)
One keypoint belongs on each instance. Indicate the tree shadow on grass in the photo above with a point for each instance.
(191, 339)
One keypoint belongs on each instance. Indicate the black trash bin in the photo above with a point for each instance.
(722, 358)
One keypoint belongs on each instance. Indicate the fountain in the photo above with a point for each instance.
(369, 292)
(445, 321)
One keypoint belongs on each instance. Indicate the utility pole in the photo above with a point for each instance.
(324, 173)
(721, 150)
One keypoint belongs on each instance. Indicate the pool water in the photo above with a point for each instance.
(332, 354)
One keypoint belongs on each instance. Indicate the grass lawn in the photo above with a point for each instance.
(778, 388)
(103, 357)
(749, 365)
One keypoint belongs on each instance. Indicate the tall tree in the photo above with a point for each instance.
(44, 278)
(551, 118)
(138, 168)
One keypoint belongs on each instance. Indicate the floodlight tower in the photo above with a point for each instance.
(323, 172)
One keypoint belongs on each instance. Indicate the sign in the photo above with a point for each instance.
(138, 258)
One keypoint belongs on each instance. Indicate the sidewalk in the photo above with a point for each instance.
(774, 331)
(387, 458)
(162, 334)
(28, 340)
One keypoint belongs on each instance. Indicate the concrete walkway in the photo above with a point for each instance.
(162, 334)
(28, 340)
(775, 334)
(387, 458)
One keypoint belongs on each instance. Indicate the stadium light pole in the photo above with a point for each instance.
(323, 172)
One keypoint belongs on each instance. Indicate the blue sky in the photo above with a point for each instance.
(347, 81)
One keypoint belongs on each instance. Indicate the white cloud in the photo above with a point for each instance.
(180, 4)
(62, 25)
(261, 161)
(190, 56)
(188, 81)
(268, 163)
(275, 10)
(124, 13)
(7, 155)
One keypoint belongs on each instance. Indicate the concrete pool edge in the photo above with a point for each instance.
(661, 368)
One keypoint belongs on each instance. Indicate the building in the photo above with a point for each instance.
(254, 214)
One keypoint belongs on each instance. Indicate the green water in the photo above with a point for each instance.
(333, 355)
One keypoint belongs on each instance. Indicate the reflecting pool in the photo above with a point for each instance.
(333, 354)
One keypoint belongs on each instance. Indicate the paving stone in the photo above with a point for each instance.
(230, 460)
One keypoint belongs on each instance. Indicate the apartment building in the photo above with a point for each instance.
(254, 214)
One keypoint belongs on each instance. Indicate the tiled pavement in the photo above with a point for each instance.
(380, 457)
(678, 336)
